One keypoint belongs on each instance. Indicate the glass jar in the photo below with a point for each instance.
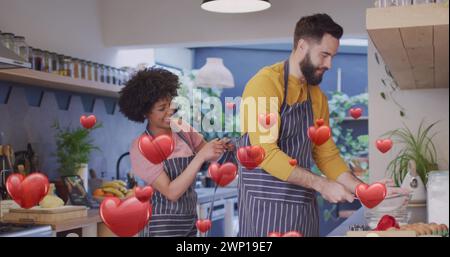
(95, 72)
(31, 57)
(76, 68)
(21, 47)
(114, 77)
(8, 40)
(107, 74)
(438, 197)
(89, 72)
(101, 71)
(38, 59)
(66, 66)
(47, 61)
(83, 69)
(54, 64)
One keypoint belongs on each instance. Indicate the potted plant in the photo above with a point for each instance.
(73, 148)
(416, 147)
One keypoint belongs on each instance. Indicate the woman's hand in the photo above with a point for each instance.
(229, 146)
(212, 150)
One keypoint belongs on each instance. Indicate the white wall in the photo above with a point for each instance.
(429, 105)
(177, 57)
(183, 23)
(64, 26)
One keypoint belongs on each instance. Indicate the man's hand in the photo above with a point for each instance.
(334, 192)
(330, 190)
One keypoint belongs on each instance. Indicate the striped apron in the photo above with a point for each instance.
(174, 219)
(267, 204)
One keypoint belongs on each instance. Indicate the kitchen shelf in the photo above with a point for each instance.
(54, 81)
(413, 41)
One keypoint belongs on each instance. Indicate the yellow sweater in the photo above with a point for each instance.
(269, 82)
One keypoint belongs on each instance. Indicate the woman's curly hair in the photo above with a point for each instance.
(144, 89)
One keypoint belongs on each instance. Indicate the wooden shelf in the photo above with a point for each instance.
(413, 41)
(54, 81)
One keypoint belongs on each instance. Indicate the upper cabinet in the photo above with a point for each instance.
(413, 41)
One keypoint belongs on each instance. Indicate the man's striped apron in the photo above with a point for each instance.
(267, 204)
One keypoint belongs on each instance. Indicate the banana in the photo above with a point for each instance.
(114, 191)
(121, 182)
(123, 190)
(113, 184)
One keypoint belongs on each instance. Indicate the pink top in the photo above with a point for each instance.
(148, 171)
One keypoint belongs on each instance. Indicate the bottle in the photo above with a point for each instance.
(438, 197)
(21, 47)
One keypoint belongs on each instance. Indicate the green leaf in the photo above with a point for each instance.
(383, 95)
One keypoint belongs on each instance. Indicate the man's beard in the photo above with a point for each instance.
(309, 71)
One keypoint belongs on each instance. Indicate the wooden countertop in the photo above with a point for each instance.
(93, 216)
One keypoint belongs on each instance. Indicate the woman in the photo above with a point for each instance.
(147, 96)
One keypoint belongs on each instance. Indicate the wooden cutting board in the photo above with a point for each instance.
(45, 215)
(391, 233)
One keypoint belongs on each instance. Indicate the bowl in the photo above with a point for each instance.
(395, 206)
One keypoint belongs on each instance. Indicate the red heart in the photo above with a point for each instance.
(222, 174)
(251, 156)
(293, 162)
(320, 122)
(203, 225)
(143, 194)
(287, 234)
(319, 135)
(267, 120)
(125, 218)
(355, 112)
(230, 105)
(386, 222)
(384, 145)
(156, 150)
(88, 122)
(371, 196)
(27, 191)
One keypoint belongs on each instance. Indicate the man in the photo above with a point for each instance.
(279, 196)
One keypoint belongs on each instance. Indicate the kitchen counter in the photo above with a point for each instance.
(356, 218)
(88, 224)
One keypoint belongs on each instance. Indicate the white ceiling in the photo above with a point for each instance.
(182, 23)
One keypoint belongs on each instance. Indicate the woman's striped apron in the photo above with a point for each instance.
(175, 219)
(267, 204)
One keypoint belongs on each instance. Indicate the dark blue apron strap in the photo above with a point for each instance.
(286, 82)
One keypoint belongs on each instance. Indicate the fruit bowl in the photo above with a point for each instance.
(395, 206)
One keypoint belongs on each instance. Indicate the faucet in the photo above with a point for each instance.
(118, 164)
